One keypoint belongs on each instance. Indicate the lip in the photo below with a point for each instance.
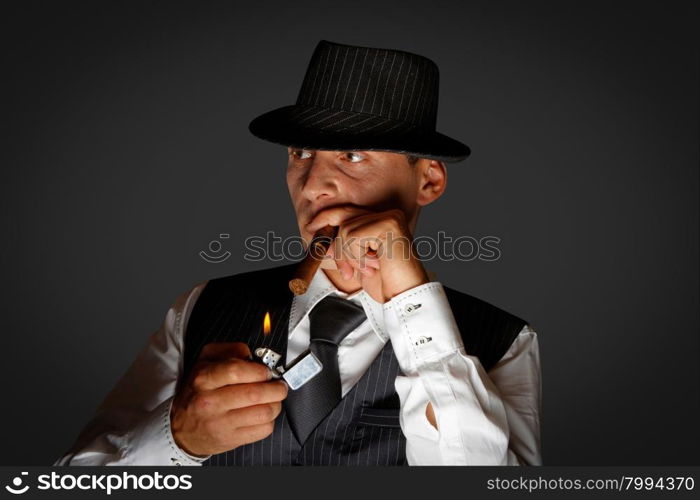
(308, 228)
(309, 220)
(315, 214)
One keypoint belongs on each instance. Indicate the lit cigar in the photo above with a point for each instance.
(317, 250)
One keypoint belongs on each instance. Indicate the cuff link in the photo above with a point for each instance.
(411, 308)
(423, 340)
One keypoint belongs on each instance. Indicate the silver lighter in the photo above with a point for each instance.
(297, 374)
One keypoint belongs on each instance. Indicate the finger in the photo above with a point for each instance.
(359, 257)
(254, 415)
(374, 224)
(362, 266)
(228, 435)
(356, 265)
(371, 260)
(225, 350)
(251, 434)
(368, 271)
(231, 397)
(335, 216)
(346, 269)
(364, 224)
(212, 375)
(367, 249)
(341, 259)
(364, 269)
(372, 284)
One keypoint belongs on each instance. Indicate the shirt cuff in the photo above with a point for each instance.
(152, 441)
(421, 326)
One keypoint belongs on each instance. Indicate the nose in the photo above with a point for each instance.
(321, 179)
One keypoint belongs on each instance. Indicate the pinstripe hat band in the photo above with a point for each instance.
(363, 98)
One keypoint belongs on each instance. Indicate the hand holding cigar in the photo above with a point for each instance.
(323, 238)
(375, 254)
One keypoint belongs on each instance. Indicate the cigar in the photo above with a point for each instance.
(317, 250)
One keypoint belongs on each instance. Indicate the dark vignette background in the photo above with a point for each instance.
(125, 152)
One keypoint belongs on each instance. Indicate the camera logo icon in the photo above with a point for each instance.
(216, 256)
(17, 483)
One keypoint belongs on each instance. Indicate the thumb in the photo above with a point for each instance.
(218, 351)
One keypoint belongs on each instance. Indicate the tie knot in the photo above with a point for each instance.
(333, 318)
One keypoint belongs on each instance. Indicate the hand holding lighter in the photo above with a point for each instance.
(297, 374)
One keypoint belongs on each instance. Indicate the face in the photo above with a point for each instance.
(373, 180)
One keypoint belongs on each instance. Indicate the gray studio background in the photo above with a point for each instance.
(125, 152)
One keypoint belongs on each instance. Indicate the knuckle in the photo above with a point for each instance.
(199, 378)
(242, 347)
(395, 217)
(264, 413)
(202, 403)
(233, 372)
(248, 371)
(207, 349)
(254, 393)
(261, 371)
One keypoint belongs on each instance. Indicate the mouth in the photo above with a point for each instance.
(311, 228)
(307, 221)
(313, 216)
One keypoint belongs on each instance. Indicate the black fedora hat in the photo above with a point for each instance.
(364, 98)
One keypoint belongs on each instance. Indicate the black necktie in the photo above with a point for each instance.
(331, 320)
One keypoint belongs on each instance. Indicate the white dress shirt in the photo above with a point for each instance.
(482, 419)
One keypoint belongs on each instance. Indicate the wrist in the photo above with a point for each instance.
(421, 327)
(179, 436)
(405, 279)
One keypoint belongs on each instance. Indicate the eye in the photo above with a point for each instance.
(300, 154)
(353, 157)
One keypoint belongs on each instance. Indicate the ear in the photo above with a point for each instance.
(432, 180)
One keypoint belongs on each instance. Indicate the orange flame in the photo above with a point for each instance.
(267, 325)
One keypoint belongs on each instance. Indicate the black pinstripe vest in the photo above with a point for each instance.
(364, 428)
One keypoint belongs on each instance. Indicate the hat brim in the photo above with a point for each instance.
(328, 129)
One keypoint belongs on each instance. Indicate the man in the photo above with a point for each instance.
(413, 372)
